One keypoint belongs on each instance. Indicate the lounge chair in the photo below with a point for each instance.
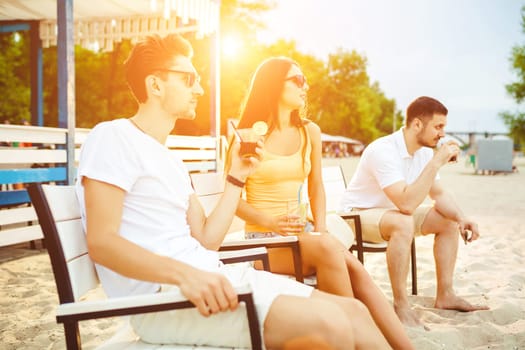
(75, 275)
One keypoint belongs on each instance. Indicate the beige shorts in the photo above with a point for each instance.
(371, 218)
(228, 329)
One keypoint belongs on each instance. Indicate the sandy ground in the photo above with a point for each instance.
(490, 271)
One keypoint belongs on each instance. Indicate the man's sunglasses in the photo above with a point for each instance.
(191, 77)
(298, 79)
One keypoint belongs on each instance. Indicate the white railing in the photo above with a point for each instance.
(38, 154)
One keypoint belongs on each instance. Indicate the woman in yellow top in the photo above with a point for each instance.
(292, 153)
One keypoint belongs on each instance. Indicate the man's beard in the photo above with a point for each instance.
(425, 143)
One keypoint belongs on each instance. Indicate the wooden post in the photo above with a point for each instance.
(66, 80)
(36, 68)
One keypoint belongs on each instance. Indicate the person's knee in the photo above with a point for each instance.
(328, 244)
(449, 226)
(436, 223)
(323, 249)
(400, 227)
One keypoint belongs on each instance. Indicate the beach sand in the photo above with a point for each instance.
(489, 271)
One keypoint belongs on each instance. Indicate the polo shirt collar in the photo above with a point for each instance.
(401, 145)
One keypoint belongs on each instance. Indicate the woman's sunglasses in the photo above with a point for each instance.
(191, 77)
(298, 80)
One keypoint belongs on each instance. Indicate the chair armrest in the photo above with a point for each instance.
(349, 216)
(130, 305)
(250, 254)
(291, 242)
(271, 242)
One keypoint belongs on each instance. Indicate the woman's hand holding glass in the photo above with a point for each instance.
(293, 222)
(288, 225)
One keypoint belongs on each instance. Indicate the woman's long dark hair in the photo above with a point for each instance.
(266, 87)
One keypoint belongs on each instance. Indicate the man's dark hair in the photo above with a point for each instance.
(152, 55)
(424, 108)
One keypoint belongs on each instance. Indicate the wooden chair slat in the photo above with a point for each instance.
(65, 203)
(201, 166)
(72, 238)
(194, 155)
(82, 275)
(16, 215)
(20, 234)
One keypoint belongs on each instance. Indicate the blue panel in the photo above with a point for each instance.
(9, 28)
(13, 176)
(14, 197)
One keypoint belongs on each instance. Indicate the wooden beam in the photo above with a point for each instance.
(66, 79)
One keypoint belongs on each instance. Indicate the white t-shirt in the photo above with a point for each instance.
(383, 163)
(157, 188)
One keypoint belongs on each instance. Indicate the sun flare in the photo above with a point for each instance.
(231, 46)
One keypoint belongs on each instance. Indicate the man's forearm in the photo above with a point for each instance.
(415, 193)
(447, 206)
(219, 221)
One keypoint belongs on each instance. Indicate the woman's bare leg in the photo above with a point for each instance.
(381, 310)
(326, 255)
(339, 322)
(322, 255)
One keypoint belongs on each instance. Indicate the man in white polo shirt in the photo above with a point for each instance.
(394, 176)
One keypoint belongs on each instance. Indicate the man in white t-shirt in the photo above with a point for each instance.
(147, 232)
(394, 176)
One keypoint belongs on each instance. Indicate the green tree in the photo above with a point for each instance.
(348, 104)
(516, 120)
(102, 93)
(14, 78)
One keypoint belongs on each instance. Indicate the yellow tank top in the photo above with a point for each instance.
(277, 180)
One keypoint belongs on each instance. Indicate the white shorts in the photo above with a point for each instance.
(230, 328)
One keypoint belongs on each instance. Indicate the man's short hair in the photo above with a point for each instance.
(150, 55)
(424, 108)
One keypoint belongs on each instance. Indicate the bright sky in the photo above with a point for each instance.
(457, 51)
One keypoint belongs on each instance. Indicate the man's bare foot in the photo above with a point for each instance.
(408, 317)
(453, 302)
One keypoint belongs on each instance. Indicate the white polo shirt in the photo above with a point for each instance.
(383, 163)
